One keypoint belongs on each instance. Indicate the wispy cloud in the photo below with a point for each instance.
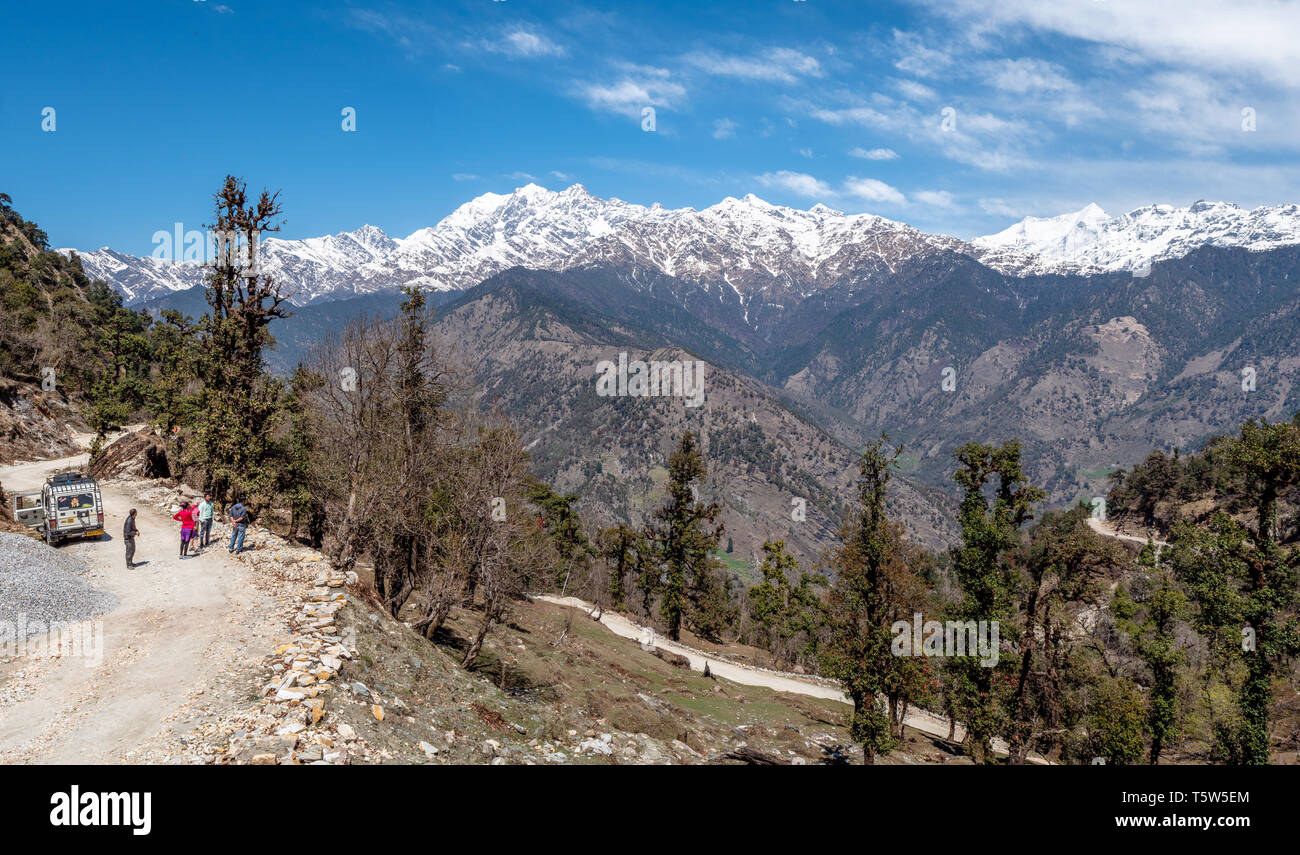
(413, 35)
(873, 190)
(629, 95)
(935, 198)
(916, 58)
(797, 183)
(522, 43)
(1247, 37)
(782, 65)
(874, 153)
(1026, 75)
(979, 139)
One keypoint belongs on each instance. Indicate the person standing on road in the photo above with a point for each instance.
(129, 531)
(206, 509)
(186, 517)
(239, 521)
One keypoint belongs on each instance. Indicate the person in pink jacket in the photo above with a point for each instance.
(186, 515)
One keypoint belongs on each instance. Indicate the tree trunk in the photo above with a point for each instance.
(477, 644)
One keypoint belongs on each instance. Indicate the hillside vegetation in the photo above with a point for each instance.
(408, 449)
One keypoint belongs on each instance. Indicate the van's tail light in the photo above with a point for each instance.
(54, 523)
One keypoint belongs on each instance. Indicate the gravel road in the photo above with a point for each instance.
(180, 627)
(43, 585)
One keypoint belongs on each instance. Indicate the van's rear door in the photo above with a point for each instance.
(29, 509)
(77, 507)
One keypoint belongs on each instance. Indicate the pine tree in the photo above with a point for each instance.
(875, 585)
(687, 534)
(1244, 582)
(782, 609)
(1158, 646)
(990, 529)
(241, 404)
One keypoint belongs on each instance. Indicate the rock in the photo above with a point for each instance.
(595, 746)
(673, 659)
(377, 711)
(346, 731)
(263, 760)
(429, 750)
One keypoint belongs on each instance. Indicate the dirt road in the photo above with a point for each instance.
(750, 676)
(179, 625)
(1106, 531)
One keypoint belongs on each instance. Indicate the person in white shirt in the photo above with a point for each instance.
(205, 520)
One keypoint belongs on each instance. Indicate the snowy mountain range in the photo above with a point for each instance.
(1090, 240)
(760, 251)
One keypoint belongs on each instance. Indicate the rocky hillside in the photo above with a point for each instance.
(1090, 372)
(534, 353)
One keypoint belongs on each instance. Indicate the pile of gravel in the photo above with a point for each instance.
(44, 584)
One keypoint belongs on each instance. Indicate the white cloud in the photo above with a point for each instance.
(561, 176)
(915, 91)
(874, 153)
(1026, 75)
(521, 176)
(935, 198)
(522, 43)
(465, 176)
(872, 190)
(723, 129)
(978, 139)
(797, 183)
(628, 96)
(1000, 208)
(806, 152)
(774, 65)
(1251, 37)
(916, 58)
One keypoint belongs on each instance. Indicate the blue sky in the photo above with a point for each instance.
(1050, 106)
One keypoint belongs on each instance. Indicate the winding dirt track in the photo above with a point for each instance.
(747, 675)
(1106, 531)
(177, 625)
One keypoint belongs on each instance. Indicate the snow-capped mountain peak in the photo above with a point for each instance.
(1091, 240)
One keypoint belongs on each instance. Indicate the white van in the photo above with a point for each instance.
(69, 505)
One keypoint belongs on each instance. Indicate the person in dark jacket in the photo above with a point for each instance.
(129, 531)
(238, 514)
